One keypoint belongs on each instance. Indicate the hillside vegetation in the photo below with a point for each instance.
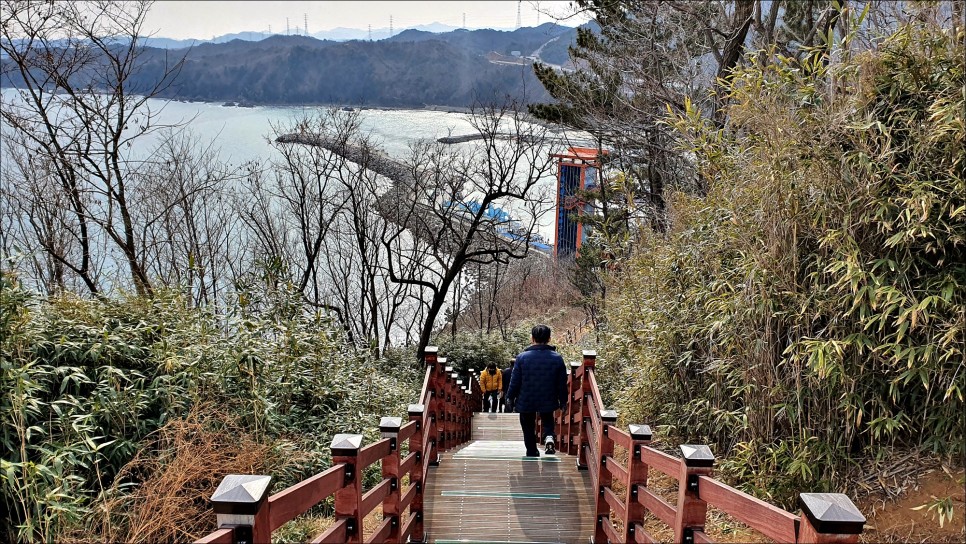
(119, 414)
(808, 313)
(297, 71)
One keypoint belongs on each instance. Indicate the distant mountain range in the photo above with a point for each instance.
(339, 34)
(413, 68)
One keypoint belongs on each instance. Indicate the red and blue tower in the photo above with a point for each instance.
(576, 174)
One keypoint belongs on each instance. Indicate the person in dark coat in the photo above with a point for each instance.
(538, 385)
(507, 375)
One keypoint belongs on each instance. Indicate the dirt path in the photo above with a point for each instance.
(896, 520)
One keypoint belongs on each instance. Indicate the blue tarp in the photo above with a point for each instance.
(496, 214)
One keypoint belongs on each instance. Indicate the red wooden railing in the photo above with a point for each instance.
(441, 420)
(588, 431)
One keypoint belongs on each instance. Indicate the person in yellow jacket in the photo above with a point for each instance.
(491, 382)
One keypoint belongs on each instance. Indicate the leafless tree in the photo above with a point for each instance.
(406, 229)
(184, 216)
(40, 230)
(76, 113)
(314, 214)
(449, 234)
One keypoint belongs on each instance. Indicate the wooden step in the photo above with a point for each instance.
(488, 491)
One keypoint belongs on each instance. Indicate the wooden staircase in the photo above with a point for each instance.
(488, 491)
(450, 474)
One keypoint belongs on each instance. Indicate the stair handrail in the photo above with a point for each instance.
(246, 513)
(588, 430)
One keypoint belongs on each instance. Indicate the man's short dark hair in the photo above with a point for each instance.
(540, 334)
(491, 365)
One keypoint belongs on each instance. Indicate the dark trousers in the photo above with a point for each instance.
(507, 404)
(491, 401)
(528, 423)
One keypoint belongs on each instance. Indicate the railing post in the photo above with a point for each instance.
(389, 428)
(442, 407)
(460, 397)
(590, 360)
(478, 406)
(604, 479)
(691, 514)
(468, 392)
(476, 394)
(430, 354)
(416, 477)
(452, 410)
(345, 449)
(571, 410)
(239, 502)
(636, 479)
(433, 406)
(829, 517)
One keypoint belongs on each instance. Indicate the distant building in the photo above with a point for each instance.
(515, 53)
(576, 174)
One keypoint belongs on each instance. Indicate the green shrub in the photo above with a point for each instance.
(476, 349)
(87, 383)
(814, 300)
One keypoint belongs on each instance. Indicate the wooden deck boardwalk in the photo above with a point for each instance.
(487, 491)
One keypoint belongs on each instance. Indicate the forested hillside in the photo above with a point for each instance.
(294, 70)
(482, 41)
(412, 69)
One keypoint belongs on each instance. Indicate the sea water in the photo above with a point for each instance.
(242, 134)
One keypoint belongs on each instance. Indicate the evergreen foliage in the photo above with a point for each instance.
(810, 310)
(475, 350)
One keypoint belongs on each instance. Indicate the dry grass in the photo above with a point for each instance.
(535, 288)
(176, 478)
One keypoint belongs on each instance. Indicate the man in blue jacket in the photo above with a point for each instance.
(507, 376)
(538, 385)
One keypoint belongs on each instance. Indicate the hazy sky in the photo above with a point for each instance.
(204, 19)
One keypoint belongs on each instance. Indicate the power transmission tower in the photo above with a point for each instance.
(286, 26)
(305, 27)
(269, 30)
(519, 21)
(370, 33)
(464, 20)
(390, 26)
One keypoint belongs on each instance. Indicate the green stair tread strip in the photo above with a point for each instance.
(508, 458)
(501, 495)
(470, 541)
